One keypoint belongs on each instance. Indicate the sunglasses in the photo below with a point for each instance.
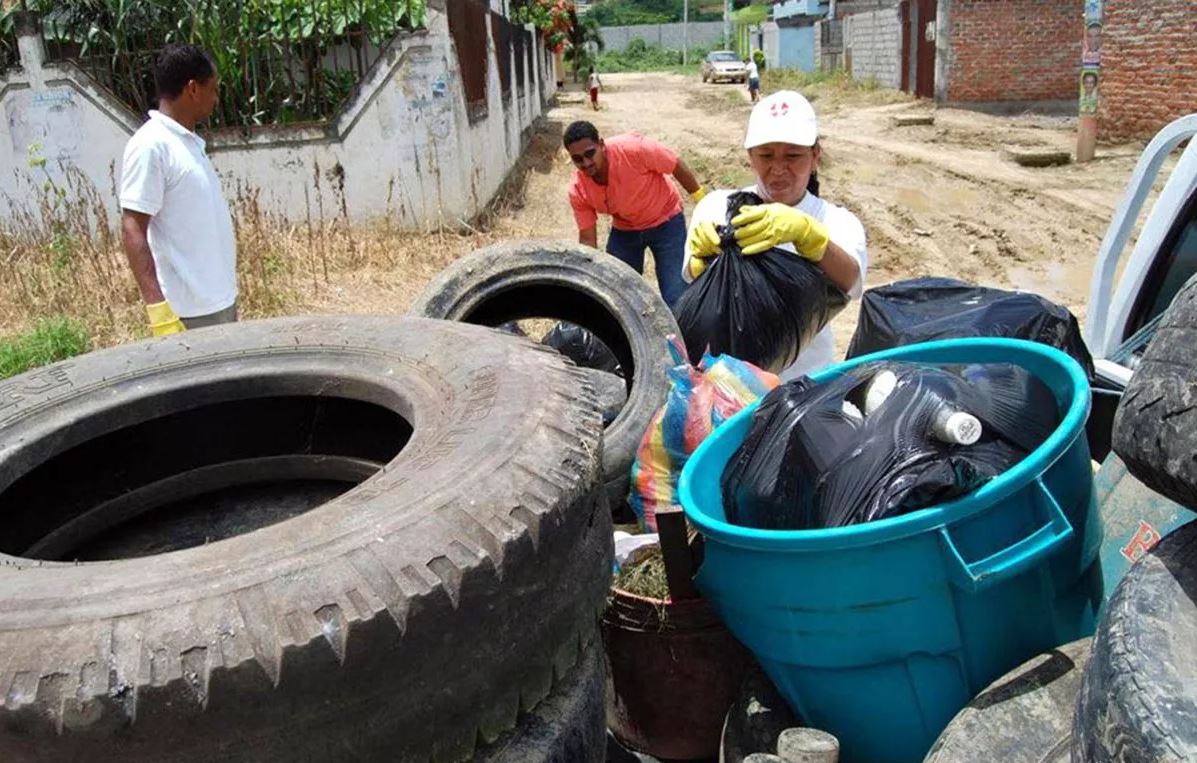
(587, 154)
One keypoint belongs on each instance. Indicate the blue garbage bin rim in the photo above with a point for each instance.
(1016, 351)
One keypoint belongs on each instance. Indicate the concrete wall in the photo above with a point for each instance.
(772, 44)
(1013, 50)
(1149, 61)
(873, 46)
(702, 34)
(402, 147)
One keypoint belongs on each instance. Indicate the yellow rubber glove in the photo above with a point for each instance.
(163, 320)
(761, 227)
(703, 243)
(699, 194)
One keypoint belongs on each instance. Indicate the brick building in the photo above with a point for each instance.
(1008, 50)
(1148, 67)
(961, 51)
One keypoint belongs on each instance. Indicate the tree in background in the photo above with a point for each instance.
(633, 12)
(585, 43)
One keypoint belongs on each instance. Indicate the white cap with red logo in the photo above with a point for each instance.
(783, 117)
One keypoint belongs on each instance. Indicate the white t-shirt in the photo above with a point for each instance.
(753, 72)
(844, 229)
(594, 80)
(166, 174)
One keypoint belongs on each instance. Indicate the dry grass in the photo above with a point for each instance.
(645, 576)
(831, 91)
(57, 260)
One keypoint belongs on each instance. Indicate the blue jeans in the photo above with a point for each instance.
(667, 242)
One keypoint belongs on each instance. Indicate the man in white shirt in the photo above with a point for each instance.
(175, 223)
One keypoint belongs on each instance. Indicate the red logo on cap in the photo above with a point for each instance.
(779, 109)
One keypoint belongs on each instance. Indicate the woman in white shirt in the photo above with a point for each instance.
(783, 148)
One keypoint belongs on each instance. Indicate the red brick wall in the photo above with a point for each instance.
(1015, 50)
(1149, 66)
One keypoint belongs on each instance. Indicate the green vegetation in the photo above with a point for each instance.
(584, 46)
(639, 56)
(274, 56)
(50, 340)
(632, 12)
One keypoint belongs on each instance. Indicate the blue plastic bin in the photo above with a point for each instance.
(879, 633)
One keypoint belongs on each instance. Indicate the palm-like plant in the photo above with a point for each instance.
(585, 42)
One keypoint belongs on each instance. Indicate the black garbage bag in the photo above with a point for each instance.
(511, 327)
(924, 309)
(762, 309)
(816, 456)
(582, 347)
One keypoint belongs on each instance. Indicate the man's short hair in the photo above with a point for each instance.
(177, 65)
(580, 130)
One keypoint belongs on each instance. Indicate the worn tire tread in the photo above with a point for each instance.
(1138, 699)
(96, 678)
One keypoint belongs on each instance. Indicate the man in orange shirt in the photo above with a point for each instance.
(625, 177)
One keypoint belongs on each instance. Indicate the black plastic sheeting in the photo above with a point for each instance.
(925, 309)
(763, 309)
(582, 347)
(808, 464)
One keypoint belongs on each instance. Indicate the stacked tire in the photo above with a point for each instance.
(1138, 702)
(545, 279)
(315, 539)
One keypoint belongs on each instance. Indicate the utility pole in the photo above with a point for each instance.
(685, 30)
(1086, 138)
(727, 34)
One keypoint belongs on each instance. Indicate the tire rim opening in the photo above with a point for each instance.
(196, 476)
(559, 303)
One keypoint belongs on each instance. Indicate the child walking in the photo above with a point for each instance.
(595, 84)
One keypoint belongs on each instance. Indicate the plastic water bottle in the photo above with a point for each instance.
(852, 412)
(879, 389)
(949, 425)
(955, 427)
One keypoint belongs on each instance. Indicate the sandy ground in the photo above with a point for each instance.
(934, 200)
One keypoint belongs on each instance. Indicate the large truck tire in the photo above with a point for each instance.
(1155, 428)
(314, 539)
(568, 726)
(1138, 701)
(544, 279)
(1023, 717)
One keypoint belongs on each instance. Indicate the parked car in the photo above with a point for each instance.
(725, 65)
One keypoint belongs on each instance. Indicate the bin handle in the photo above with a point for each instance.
(1014, 559)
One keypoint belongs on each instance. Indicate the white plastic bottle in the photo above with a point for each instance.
(948, 425)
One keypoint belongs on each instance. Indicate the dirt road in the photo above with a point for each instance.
(935, 200)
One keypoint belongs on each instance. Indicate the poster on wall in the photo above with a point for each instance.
(1091, 48)
(1090, 76)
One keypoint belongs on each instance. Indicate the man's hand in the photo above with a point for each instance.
(588, 237)
(762, 227)
(703, 243)
(163, 320)
(698, 194)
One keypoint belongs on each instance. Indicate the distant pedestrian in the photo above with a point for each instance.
(595, 83)
(627, 177)
(175, 223)
(754, 79)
